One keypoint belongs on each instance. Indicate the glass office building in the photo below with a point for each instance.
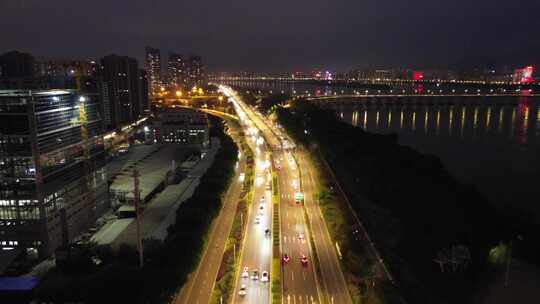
(52, 177)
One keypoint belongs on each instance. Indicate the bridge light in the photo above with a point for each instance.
(178, 93)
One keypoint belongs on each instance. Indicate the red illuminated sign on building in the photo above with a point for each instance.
(524, 75)
(418, 75)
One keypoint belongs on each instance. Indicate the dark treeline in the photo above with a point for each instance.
(266, 103)
(414, 210)
(167, 263)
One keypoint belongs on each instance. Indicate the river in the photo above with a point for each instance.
(492, 142)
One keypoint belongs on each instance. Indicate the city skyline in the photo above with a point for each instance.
(283, 36)
(284, 152)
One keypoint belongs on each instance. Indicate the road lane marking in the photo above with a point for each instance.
(292, 276)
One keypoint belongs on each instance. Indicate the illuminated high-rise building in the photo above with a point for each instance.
(53, 184)
(176, 71)
(153, 68)
(195, 71)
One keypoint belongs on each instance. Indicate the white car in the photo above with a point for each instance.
(245, 273)
(261, 207)
(243, 290)
(255, 275)
(263, 200)
(257, 220)
(264, 276)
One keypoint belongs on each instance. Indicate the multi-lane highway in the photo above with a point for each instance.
(300, 282)
(334, 284)
(256, 251)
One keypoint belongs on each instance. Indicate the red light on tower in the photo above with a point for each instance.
(418, 76)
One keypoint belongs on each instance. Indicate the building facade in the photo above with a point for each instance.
(66, 68)
(143, 90)
(16, 64)
(122, 77)
(176, 72)
(153, 68)
(182, 126)
(52, 178)
(195, 71)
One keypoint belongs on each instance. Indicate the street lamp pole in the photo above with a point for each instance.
(136, 197)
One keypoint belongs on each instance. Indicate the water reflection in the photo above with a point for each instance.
(516, 121)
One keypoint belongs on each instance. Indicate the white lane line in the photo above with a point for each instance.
(294, 299)
(304, 275)
(292, 276)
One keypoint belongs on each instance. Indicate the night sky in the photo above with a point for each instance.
(277, 35)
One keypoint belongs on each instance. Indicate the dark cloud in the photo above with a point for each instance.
(279, 34)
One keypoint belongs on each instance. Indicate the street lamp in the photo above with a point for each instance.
(178, 93)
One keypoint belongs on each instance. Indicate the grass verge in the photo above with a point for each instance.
(276, 281)
(357, 264)
(228, 270)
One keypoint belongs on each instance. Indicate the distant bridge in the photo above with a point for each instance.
(382, 96)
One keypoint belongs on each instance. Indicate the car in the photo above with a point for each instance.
(264, 276)
(257, 220)
(243, 290)
(263, 200)
(255, 275)
(261, 207)
(245, 273)
(268, 186)
(304, 260)
(285, 258)
(301, 237)
(242, 177)
(267, 231)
